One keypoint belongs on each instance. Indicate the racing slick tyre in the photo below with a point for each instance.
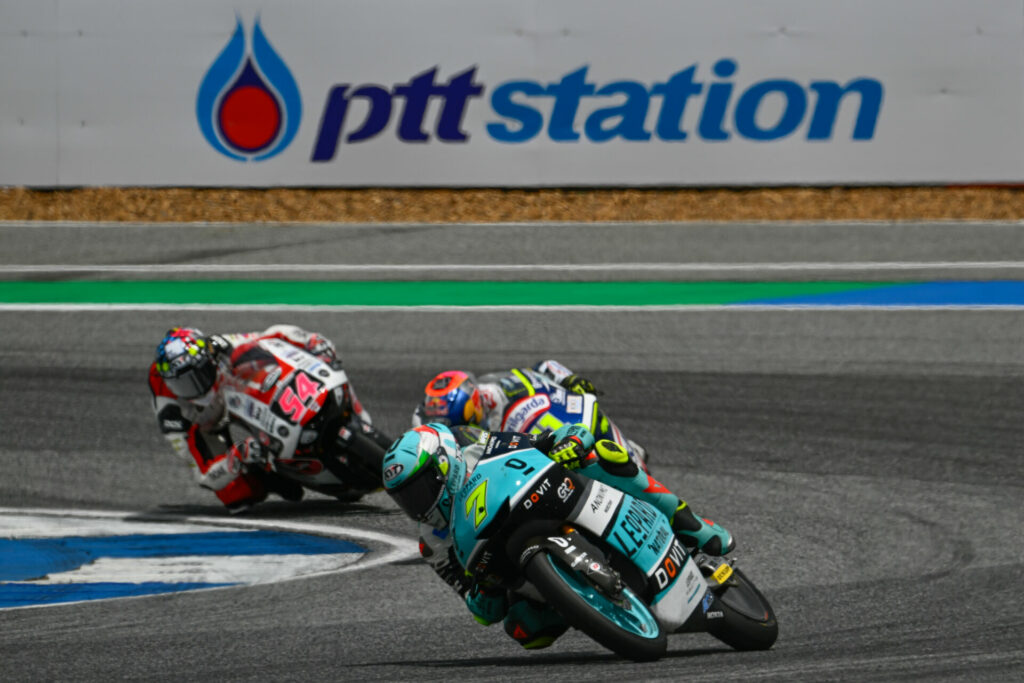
(622, 623)
(747, 621)
(288, 489)
(366, 458)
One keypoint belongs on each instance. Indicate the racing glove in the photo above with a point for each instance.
(569, 452)
(218, 345)
(579, 385)
(489, 604)
(323, 348)
(245, 453)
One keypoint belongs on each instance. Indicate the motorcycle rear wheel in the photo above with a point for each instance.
(628, 629)
(366, 458)
(748, 621)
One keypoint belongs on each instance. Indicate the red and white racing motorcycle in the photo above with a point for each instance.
(300, 410)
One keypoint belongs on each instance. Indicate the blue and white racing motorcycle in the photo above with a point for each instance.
(539, 405)
(609, 563)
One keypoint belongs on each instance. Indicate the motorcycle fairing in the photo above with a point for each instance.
(645, 537)
(538, 405)
(496, 488)
(681, 586)
(543, 406)
(598, 508)
(277, 390)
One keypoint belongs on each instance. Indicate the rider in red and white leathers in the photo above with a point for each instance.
(184, 381)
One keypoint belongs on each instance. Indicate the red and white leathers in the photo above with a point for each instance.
(197, 428)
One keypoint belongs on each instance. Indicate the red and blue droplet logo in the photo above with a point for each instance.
(248, 106)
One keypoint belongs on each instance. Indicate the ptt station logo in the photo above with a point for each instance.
(248, 106)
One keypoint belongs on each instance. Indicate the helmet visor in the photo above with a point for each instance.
(193, 382)
(452, 398)
(419, 495)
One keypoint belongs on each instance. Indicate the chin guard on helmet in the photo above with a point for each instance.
(421, 472)
(184, 361)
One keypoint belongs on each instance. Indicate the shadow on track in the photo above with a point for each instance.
(535, 659)
(280, 510)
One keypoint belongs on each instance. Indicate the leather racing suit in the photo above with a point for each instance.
(501, 390)
(197, 429)
(531, 624)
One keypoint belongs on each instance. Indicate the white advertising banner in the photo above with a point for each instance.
(28, 92)
(492, 93)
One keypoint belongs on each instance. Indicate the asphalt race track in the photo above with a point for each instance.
(867, 461)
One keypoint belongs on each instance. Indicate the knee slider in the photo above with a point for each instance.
(534, 626)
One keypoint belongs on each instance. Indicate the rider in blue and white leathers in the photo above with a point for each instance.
(456, 397)
(424, 469)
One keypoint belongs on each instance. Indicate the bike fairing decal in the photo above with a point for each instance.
(476, 504)
(55, 557)
(607, 512)
(531, 483)
(679, 593)
(469, 491)
(644, 535)
(521, 415)
(599, 508)
(404, 294)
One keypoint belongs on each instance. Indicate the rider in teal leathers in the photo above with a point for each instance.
(426, 466)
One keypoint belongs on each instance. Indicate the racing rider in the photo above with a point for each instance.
(425, 488)
(455, 397)
(184, 380)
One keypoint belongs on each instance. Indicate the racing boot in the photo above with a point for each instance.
(703, 534)
(533, 625)
(487, 604)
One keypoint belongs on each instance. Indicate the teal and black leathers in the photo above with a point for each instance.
(535, 625)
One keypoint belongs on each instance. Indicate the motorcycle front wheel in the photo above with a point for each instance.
(623, 623)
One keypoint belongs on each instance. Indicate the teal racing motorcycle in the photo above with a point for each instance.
(609, 563)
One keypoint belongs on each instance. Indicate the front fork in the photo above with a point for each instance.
(578, 554)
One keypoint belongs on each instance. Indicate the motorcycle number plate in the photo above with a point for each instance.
(722, 573)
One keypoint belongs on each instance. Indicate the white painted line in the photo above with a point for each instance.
(681, 308)
(236, 569)
(794, 267)
(29, 523)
